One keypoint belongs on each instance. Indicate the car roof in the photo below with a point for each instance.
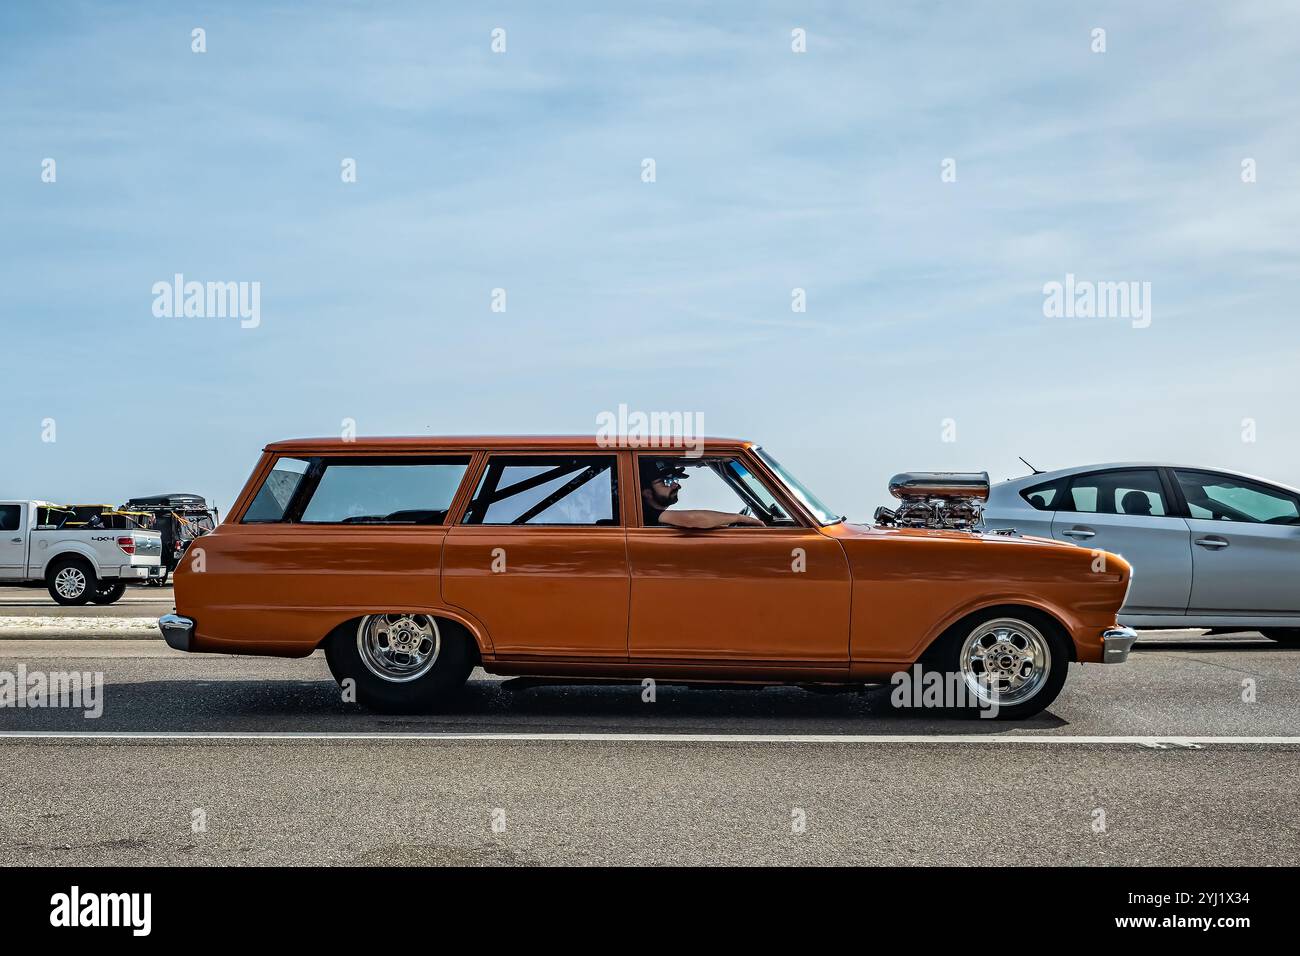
(1047, 476)
(501, 442)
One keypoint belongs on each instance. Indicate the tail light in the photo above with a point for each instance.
(127, 544)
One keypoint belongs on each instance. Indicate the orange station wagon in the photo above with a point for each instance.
(412, 560)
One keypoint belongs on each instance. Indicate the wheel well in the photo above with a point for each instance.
(69, 557)
(445, 624)
(1032, 614)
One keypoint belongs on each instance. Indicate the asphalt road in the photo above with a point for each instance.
(435, 804)
(1107, 776)
(138, 601)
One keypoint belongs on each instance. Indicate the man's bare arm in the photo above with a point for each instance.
(704, 520)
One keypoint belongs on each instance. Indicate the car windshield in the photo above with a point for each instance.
(809, 500)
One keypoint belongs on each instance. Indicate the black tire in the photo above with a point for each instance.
(108, 593)
(434, 688)
(60, 584)
(944, 656)
(1289, 636)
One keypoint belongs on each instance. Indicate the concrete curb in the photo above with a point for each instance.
(79, 628)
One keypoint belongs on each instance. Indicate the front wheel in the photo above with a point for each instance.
(400, 663)
(1009, 664)
(108, 593)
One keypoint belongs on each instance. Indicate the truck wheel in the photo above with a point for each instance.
(1022, 655)
(70, 581)
(400, 663)
(108, 593)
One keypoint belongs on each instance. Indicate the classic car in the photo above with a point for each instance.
(1210, 548)
(412, 560)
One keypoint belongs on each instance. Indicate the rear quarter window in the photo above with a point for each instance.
(277, 491)
(1044, 497)
(353, 490)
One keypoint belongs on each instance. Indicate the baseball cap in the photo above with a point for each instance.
(655, 469)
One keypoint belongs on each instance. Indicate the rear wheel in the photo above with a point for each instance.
(70, 581)
(1011, 659)
(401, 663)
(108, 593)
(1289, 636)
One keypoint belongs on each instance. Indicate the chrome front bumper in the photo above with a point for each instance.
(1116, 642)
(176, 631)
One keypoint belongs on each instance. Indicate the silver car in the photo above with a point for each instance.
(1209, 548)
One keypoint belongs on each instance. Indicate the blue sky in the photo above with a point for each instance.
(522, 171)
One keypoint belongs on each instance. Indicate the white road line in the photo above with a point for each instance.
(691, 738)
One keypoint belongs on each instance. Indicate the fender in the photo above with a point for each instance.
(66, 549)
(984, 602)
(477, 630)
(473, 625)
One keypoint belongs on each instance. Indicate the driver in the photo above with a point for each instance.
(660, 483)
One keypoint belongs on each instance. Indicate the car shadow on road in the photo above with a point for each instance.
(495, 706)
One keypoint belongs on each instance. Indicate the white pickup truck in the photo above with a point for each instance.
(77, 564)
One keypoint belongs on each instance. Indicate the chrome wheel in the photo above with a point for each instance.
(71, 582)
(398, 647)
(1005, 660)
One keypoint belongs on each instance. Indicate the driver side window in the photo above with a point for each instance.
(1224, 498)
(725, 484)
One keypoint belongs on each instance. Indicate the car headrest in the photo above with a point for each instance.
(1135, 503)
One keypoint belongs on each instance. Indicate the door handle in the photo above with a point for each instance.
(16, 540)
(1213, 542)
(1079, 533)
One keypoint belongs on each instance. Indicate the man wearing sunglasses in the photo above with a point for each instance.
(661, 481)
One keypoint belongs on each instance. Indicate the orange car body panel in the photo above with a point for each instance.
(835, 603)
(909, 586)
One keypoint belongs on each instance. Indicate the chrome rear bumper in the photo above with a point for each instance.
(176, 631)
(1116, 642)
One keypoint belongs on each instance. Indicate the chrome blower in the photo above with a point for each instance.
(944, 500)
